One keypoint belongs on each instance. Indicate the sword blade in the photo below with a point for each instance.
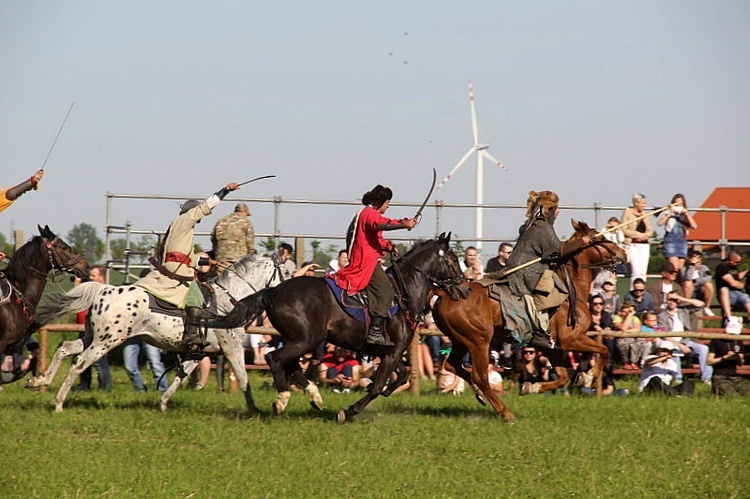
(426, 199)
(57, 136)
(254, 179)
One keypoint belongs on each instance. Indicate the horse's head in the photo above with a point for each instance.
(600, 252)
(61, 256)
(434, 259)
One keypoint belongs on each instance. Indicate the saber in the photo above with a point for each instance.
(418, 216)
(57, 136)
(256, 178)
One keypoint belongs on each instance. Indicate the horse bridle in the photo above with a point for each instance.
(56, 261)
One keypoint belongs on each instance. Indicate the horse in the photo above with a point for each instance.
(117, 313)
(306, 313)
(471, 322)
(22, 284)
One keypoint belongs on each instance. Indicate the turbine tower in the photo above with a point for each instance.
(482, 153)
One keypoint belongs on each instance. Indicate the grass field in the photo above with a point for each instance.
(119, 445)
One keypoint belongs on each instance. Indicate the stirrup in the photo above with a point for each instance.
(378, 338)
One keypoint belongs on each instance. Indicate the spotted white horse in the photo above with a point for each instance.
(117, 313)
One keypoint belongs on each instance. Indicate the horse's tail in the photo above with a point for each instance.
(244, 311)
(77, 299)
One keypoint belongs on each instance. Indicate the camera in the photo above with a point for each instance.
(204, 260)
(736, 347)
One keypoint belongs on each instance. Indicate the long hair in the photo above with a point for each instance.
(540, 206)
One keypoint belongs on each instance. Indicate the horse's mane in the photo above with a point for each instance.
(240, 268)
(24, 260)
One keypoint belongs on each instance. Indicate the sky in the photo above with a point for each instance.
(594, 100)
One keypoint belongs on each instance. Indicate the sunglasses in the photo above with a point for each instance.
(597, 303)
(529, 352)
(638, 290)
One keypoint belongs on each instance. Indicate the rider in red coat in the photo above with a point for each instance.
(366, 251)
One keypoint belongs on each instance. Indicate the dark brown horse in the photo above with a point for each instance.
(472, 322)
(23, 283)
(306, 313)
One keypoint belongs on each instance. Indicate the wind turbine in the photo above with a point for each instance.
(481, 152)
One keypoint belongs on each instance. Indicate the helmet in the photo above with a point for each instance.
(188, 205)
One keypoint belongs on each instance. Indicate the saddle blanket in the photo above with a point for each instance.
(355, 305)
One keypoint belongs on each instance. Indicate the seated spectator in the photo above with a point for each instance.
(725, 356)
(341, 261)
(676, 318)
(602, 275)
(531, 370)
(696, 280)
(471, 265)
(447, 382)
(659, 370)
(583, 381)
(729, 285)
(601, 320)
(15, 365)
(496, 381)
(339, 369)
(611, 298)
(631, 349)
(643, 301)
(668, 283)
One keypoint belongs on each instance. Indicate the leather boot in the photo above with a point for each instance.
(193, 339)
(542, 340)
(376, 335)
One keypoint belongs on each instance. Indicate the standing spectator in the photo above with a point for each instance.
(659, 370)
(341, 261)
(103, 374)
(617, 237)
(8, 196)
(501, 260)
(631, 349)
(286, 255)
(676, 221)
(643, 301)
(471, 265)
(130, 352)
(637, 234)
(696, 280)
(725, 356)
(729, 286)
(233, 236)
(677, 319)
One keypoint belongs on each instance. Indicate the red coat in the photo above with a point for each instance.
(368, 246)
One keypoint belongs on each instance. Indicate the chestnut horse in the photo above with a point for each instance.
(22, 284)
(471, 322)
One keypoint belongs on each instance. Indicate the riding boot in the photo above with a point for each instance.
(376, 335)
(192, 339)
(542, 340)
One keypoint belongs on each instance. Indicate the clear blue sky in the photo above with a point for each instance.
(595, 100)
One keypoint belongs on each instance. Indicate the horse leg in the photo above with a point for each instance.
(231, 344)
(66, 349)
(480, 360)
(280, 362)
(389, 363)
(90, 355)
(187, 367)
(560, 382)
(402, 376)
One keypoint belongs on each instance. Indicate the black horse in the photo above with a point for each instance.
(22, 284)
(306, 313)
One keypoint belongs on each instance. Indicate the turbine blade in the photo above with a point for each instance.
(492, 158)
(474, 128)
(458, 165)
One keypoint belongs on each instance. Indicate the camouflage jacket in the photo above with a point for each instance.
(233, 237)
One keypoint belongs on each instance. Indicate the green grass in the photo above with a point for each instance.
(119, 445)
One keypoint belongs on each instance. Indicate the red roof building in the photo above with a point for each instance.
(737, 225)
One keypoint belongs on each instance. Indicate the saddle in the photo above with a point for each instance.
(356, 306)
(159, 306)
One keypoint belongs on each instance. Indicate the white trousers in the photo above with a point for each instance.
(638, 255)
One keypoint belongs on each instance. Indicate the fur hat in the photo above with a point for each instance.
(542, 205)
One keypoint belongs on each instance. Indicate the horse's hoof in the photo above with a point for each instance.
(163, 407)
(317, 405)
(341, 417)
(480, 399)
(278, 408)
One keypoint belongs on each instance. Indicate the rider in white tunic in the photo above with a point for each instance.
(174, 272)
